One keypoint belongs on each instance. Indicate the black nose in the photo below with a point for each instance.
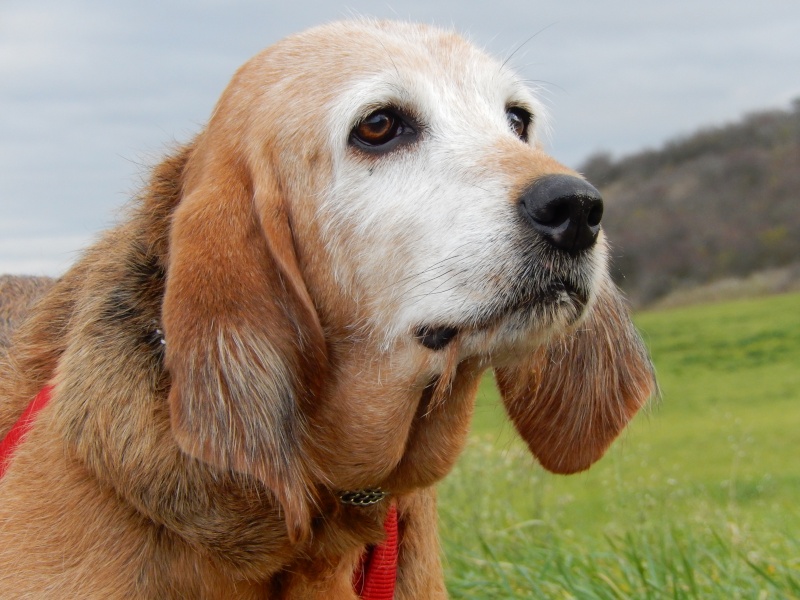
(564, 210)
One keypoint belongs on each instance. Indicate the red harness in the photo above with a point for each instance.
(375, 576)
(9, 443)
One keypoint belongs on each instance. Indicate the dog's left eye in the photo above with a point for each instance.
(381, 130)
(519, 120)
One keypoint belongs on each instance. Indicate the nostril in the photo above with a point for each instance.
(565, 210)
(552, 214)
(595, 215)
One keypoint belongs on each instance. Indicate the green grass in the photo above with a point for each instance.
(700, 498)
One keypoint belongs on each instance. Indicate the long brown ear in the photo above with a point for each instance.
(574, 395)
(244, 345)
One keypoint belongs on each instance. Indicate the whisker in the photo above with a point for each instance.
(525, 43)
(452, 256)
(449, 271)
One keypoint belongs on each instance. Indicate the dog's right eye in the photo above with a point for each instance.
(381, 130)
(519, 121)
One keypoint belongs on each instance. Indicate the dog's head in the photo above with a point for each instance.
(367, 224)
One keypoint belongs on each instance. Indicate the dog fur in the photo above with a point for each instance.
(17, 294)
(245, 344)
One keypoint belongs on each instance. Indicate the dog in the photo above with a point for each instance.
(278, 349)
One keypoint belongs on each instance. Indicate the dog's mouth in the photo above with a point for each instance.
(558, 291)
(557, 299)
(435, 337)
(525, 305)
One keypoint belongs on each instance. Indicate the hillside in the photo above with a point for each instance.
(722, 203)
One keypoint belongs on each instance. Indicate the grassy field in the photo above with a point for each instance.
(700, 498)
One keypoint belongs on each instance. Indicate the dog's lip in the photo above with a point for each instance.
(561, 286)
(557, 291)
(435, 337)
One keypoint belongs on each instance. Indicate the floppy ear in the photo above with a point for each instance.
(573, 396)
(244, 346)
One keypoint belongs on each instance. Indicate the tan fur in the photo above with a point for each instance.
(18, 293)
(209, 466)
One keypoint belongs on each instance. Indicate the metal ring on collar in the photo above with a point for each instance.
(366, 497)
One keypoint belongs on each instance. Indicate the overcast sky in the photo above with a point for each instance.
(92, 92)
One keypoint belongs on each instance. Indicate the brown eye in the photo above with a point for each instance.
(377, 129)
(381, 130)
(519, 120)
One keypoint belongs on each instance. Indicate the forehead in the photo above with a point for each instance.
(434, 75)
(379, 44)
(370, 63)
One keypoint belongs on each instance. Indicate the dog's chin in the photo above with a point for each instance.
(558, 294)
(541, 312)
(520, 317)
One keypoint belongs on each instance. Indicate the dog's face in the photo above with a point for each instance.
(368, 223)
(432, 146)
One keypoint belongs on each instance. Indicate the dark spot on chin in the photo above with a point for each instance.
(435, 338)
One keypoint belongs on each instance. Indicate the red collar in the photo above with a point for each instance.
(375, 576)
(9, 443)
